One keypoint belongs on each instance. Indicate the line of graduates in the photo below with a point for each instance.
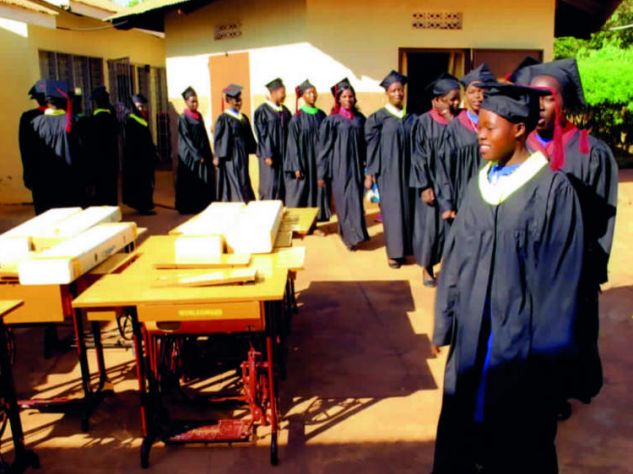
(70, 159)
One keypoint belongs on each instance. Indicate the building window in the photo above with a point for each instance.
(83, 72)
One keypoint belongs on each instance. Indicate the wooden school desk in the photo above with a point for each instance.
(255, 308)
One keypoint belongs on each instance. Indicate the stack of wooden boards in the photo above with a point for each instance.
(60, 245)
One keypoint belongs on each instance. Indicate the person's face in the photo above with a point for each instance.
(497, 136)
(347, 99)
(235, 102)
(395, 94)
(142, 108)
(448, 103)
(474, 97)
(192, 103)
(310, 96)
(278, 96)
(547, 119)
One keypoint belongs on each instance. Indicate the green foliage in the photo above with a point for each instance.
(607, 75)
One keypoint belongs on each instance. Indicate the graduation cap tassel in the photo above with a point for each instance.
(296, 101)
(584, 142)
(69, 110)
(336, 108)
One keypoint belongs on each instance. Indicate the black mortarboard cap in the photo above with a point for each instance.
(517, 76)
(55, 89)
(139, 99)
(480, 74)
(514, 103)
(188, 92)
(232, 90)
(340, 86)
(100, 94)
(304, 86)
(566, 73)
(443, 84)
(275, 84)
(37, 89)
(393, 76)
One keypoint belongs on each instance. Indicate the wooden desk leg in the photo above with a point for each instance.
(82, 355)
(272, 357)
(24, 458)
(147, 420)
(103, 375)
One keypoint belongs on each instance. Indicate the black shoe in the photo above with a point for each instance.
(394, 263)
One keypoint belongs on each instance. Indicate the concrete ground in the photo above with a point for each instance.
(363, 391)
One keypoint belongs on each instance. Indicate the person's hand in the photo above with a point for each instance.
(428, 196)
(369, 182)
(216, 161)
(448, 215)
(268, 161)
(436, 350)
(298, 174)
(321, 183)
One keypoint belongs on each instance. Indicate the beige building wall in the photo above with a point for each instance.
(19, 63)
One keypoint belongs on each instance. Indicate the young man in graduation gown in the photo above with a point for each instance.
(593, 171)
(388, 137)
(300, 163)
(139, 159)
(462, 159)
(433, 206)
(341, 160)
(26, 133)
(102, 147)
(271, 127)
(195, 175)
(56, 179)
(507, 300)
(233, 142)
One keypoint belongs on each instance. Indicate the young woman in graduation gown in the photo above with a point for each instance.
(300, 164)
(462, 160)
(195, 175)
(233, 142)
(433, 206)
(139, 158)
(388, 137)
(56, 168)
(507, 300)
(271, 126)
(341, 159)
(593, 171)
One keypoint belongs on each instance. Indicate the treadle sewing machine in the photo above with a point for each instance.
(46, 262)
(224, 272)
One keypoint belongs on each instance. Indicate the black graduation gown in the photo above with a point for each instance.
(195, 175)
(462, 159)
(233, 142)
(271, 128)
(341, 159)
(427, 171)
(103, 155)
(594, 175)
(57, 179)
(26, 137)
(389, 161)
(301, 155)
(139, 161)
(511, 271)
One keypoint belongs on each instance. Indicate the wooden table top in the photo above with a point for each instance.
(6, 306)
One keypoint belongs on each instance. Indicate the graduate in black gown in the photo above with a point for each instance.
(300, 164)
(271, 126)
(26, 133)
(56, 166)
(507, 300)
(388, 137)
(195, 175)
(341, 160)
(139, 159)
(233, 142)
(103, 150)
(462, 160)
(433, 208)
(593, 171)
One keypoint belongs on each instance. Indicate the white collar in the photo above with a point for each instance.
(275, 107)
(495, 194)
(234, 114)
(400, 113)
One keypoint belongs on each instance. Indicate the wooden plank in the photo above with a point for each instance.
(220, 277)
(42, 304)
(300, 220)
(6, 306)
(284, 239)
(114, 263)
(223, 261)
